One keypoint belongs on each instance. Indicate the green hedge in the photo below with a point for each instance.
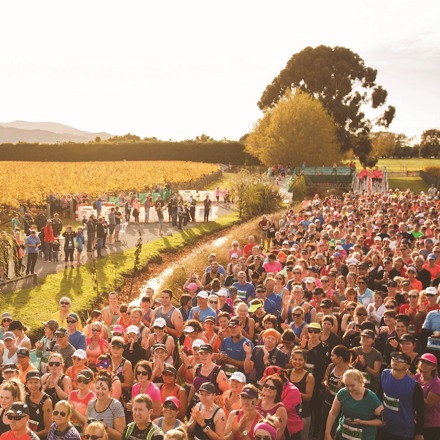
(215, 152)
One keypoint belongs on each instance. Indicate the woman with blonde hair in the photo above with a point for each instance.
(360, 410)
(61, 428)
(55, 383)
(10, 392)
(95, 430)
(175, 434)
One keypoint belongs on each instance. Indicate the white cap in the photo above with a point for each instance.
(188, 329)
(159, 322)
(203, 294)
(240, 377)
(222, 292)
(132, 329)
(198, 342)
(80, 353)
(431, 290)
(310, 280)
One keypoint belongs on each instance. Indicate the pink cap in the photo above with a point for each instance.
(118, 329)
(191, 286)
(174, 400)
(429, 357)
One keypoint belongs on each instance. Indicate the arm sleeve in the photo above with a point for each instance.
(419, 407)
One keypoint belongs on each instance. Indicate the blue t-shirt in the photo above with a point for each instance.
(203, 313)
(278, 302)
(32, 239)
(78, 340)
(245, 292)
(235, 349)
(432, 321)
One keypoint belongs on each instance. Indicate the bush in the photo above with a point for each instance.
(261, 198)
(299, 188)
(433, 172)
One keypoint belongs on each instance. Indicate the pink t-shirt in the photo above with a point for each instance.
(274, 267)
(432, 415)
(153, 391)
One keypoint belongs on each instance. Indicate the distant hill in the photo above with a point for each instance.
(44, 133)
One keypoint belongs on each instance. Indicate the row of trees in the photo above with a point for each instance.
(315, 111)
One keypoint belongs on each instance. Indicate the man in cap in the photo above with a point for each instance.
(202, 310)
(18, 418)
(63, 346)
(142, 427)
(76, 338)
(133, 350)
(262, 356)
(10, 371)
(24, 366)
(268, 305)
(171, 315)
(231, 354)
(403, 401)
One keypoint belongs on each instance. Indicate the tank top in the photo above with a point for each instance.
(160, 421)
(3, 426)
(175, 392)
(199, 434)
(199, 379)
(209, 278)
(297, 330)
(305, 405)
(166, 316)
(36, 411)
(333, 387)
(52, 393)
(271, 411)
(239, 415)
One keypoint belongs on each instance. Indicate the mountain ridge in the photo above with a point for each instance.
(45, 133)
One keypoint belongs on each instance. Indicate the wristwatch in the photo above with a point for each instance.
(206, 428)
(244, 433)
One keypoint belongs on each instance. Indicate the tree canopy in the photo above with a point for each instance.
(345, 86)
(298, 129)
(430, 143)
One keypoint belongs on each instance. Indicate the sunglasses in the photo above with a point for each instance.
(92, 437)
(142, 373)
(96, 330)
(60, 336)
(54, 364)
(350, 310)
(16, 418)
(313, 330)
(6, 320)
(297, 315)
(271, 387)
(278, 278)
(116, 346)
(64, 303)
(413, 296)
(61, 413)
(71, 322)
(430, 294)
(362, 282)
(325, 281)
(399, 360)
(156, 328)
(213, 302)
(390, 307)
(83, 380)
(296, 273)
(75, 358)
(364, 314)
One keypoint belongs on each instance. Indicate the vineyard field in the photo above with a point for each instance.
(30, 183)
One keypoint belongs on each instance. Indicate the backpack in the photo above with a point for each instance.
(154, 429)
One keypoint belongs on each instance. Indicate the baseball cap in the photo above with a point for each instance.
(369, 333)
(407, 337)
(428, 291)
(170, 369)
(10, 367)
(400, 357)
(61, 331)
(8, 335)
(222, 292)
(73, 316)
(159, 347)
(118, 329)
(80, 353)
(315, 325)
(337, 254)
(52, 324)
(429, 357)
(327, 302)
(197, 343)
(19, 409)
(159, 322)
(431, 257)
(234, 322)
(188, 329)
(88, 374)
(23, 351)
(310, 280)
(132, 329)
(208, 387)
(269, 371)
(206, 347)
(239, 377)
(249, 392)
(6, 315)
(34, 374)
(192, 286)
(174, 400)
(203, 294)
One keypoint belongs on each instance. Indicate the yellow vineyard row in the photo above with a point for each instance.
(31, 182)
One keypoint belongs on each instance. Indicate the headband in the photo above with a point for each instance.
(266, 427)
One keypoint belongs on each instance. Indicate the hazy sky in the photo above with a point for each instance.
(177, 69)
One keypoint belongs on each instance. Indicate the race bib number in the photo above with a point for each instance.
(351, 432)
(391, 403)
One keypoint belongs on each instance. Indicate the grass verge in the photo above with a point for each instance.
(34, 305)
(415, 184)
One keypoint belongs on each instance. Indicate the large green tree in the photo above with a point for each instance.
(298, 129)
(343, 83)
(386, 143)
(430, 143)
